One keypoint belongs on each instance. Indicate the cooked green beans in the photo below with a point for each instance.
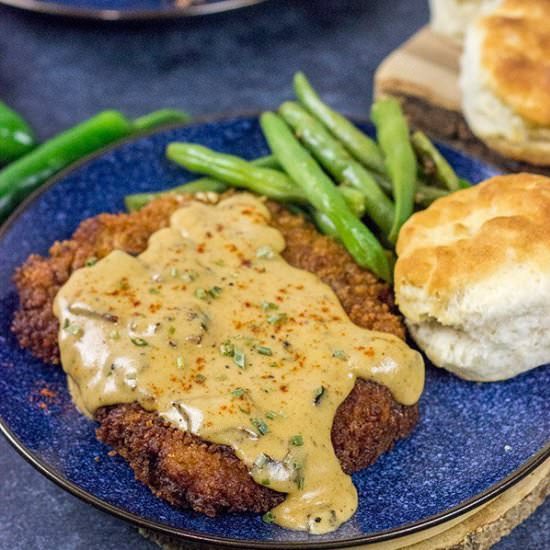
(162, 117)
(323, 195)
(16, 136)
(400, 160)
(425, 195)
(362, 147)
(332, 155)
(29, 172)
(139, 200)
(235, 171)
(443, 171)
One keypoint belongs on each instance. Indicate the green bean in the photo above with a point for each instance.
(400, 160)
(339, 163)
(16, 136)
(236, 172)
(324, 223)
(425, 195)
(139, 200)
(162, 117)
(443, 170)
(323, 195)
(29, 172)
(354, 199)
(362, 147)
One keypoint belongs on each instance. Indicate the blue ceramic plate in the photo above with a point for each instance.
(117, 10)
(473, 441)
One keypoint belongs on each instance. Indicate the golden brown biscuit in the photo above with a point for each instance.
(473, 278)
(506, 79)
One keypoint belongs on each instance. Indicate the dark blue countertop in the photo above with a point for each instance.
(58, 72)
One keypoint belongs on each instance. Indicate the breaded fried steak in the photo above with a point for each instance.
(179, 466)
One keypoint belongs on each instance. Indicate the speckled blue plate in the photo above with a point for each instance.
(127, 10)
(473, 441)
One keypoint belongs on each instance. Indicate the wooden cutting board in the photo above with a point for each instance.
(426, 66)
(424, 73)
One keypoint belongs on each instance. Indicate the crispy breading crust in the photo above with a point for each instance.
(180, 467)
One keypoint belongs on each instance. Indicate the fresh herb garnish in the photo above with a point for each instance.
(238, 392)
(268, 517)
(239, 358)
(340, 354)
(271, 414)
(92, 260)
(318, 394)
(263, 350)
(215, 291)
(200, 378)
(260, 425)
(154, 290)
(140, 342)
(201, 294)
(268, 305)
(276, 318)
(227, 349)
(297, 440)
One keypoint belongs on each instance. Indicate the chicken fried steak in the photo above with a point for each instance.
(178, 466)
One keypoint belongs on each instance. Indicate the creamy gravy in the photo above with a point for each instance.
(213, 329)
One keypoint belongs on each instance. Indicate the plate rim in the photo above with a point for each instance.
(91, 14)
(73, 488)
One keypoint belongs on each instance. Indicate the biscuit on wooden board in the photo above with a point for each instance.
(424, 73)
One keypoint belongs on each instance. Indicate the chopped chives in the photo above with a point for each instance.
(238, 392)
(276, 318)
(268, 305)
(201, 294)
(92, 260)
(264, 350)
(297, 440)
(239, 358)
(318, 394)
(227, 349)
(140, 342)
(340, 354)
(268, 517)
(260, 425)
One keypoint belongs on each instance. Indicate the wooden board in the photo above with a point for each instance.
(479, 530)
(424, 73)
(426, 66)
